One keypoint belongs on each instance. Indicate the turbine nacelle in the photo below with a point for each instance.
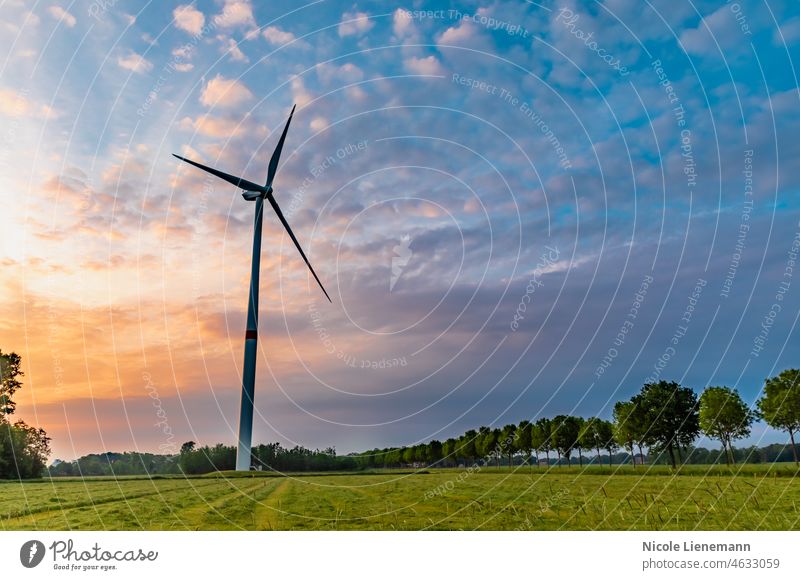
(254, 195)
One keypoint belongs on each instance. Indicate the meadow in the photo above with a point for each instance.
(753, 497)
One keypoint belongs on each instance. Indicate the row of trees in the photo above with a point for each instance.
(561, 435)
(664, 419)
(116, 464)
(272, 456)
(23, 449)
(194, 460)
(222, 457)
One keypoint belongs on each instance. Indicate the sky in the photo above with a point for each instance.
(519, 209)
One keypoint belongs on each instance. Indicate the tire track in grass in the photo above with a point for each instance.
(365, 509)
(312, 508)
(269, 512)
(239, 512)
(206, 516)
(301, 506)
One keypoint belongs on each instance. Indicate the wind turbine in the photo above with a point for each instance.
(258, 193)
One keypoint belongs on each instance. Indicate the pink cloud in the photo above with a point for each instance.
(189, 19)
(222, 92)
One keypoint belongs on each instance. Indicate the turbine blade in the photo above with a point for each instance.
(278, 211)
(237, 181)
(276, 155)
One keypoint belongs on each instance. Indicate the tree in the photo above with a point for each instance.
(670, 413)
(468, 446)
(522, 440)
(23, 449)
(541, 437)
(564, 435)
(485, 442)
(780, 404)
(725, 416)
(185, 459)
(635, 427)
(507, 436)
(625, 427)
(449, 450)
(394, 457)
(585, 439)
(605, 436)
(489, 444)
(10, 364)
(433, 452)
(595, 435)
(497, 450)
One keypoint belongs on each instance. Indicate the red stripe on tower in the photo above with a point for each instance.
(251, 334)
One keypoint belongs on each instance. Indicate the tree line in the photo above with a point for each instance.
(661, 422)
(265, 457)
(193, 460)
(116, 464)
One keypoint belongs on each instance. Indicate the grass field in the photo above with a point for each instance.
(698, 497)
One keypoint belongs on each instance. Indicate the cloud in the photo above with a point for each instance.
(300, 94)
(356, 94)
(318, 124)
(220, 127)
(787, 33)
(135, 62)
(184, 52)
(465, 34)
(429, 65)
(718, 28)
(458, 35)
(189, 19)
(182, 55)
(73, 188)
(14, 104)
(346, 73)
(355, 24)
(59, 13)
(31, 19)
(222, 92)
(277, 37)
(402, 24)
(212, 126)
(231, 48)
(236, 13)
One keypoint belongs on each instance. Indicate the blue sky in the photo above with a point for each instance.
(448, 162)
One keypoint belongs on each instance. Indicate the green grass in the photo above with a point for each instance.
(596, 498)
